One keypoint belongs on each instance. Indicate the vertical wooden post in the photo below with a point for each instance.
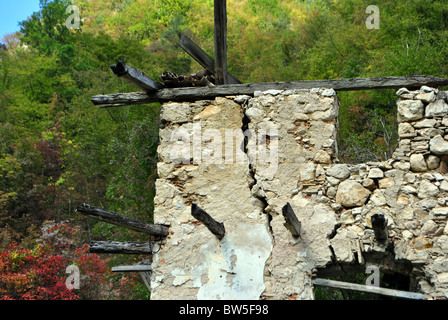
(221, 42)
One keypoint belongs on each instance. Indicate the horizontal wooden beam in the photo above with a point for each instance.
(198, 93)
(369, 289)
(130, 223)
(132, 268)
(136, 77)
(115, 247)
(202, 57)
(217, 228)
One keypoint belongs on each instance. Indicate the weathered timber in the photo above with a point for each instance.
(200, 79)
(370, 289)
(291, 222)
(202, 57)
(130, 223)
(197, 93)
(220, 32)
(217, 228)
(115, 247)
(132, 268)
(136, 77)
(379, 226)
(146, 277)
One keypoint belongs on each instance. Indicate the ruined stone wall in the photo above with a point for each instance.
(290, 156)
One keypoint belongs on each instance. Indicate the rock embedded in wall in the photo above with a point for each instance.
(351, 194)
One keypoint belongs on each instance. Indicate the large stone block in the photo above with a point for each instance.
(438, 145)
(352, 194)
(409, 110)
(437, 108)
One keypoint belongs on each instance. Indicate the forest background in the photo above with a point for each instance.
(58, 151)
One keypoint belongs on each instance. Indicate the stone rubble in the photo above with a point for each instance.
(334, 202)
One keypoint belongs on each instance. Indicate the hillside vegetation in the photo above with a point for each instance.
(58, 151)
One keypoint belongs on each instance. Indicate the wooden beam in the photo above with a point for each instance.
(369, 289)
(198, 93)
(133, 268)
(215, 227)
(115, 247)
(379, 226)
(202, 57)
(291, 222)
(220, 10)
(115, 219)
(136, 77)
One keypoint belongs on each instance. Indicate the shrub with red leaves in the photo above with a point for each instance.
(40, 273)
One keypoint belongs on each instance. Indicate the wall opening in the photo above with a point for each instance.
(400, 277)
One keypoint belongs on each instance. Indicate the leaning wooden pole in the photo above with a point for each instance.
(115, 219)
(221, 42)
(202, 57)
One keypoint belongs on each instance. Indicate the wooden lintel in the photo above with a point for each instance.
(115, 247)
(202, 57)
(217, 228)
(132, 268)
(220, 32)
(369, 289)
(291, 222)
(130, 223)
(136, 77)
(201, 93)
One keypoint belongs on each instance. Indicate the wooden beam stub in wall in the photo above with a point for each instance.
(217, 228)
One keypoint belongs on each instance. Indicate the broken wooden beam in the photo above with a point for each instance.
(115, 247)
(369, 289)
(136, 77)
(130, 223)
(217, 228)
(220, 32)
(133, 268)
(202, 57)
(143, 268)
(379, 226)
(291, 222)
(200, 93)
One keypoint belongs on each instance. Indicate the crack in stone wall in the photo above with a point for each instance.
(290, 158)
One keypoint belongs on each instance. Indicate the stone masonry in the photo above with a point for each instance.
(243, 158)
